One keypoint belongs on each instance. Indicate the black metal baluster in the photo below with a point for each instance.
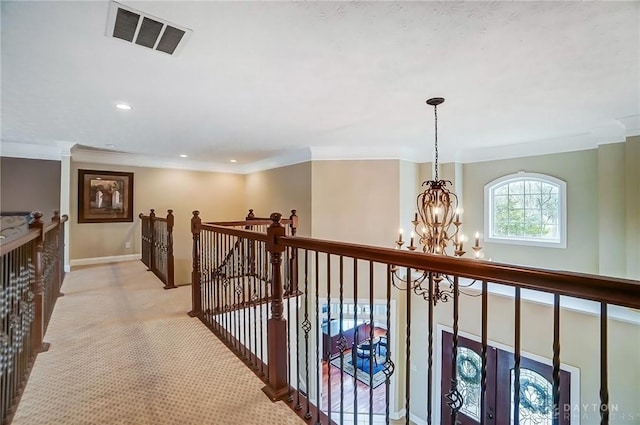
(212, 277)
(316, 322)
(306, 327)
(556, 359)
(356, 339)
(204, 263)
(263, 302)
(222, 283)
(206, 273)
(288, 317)
(430, 351)
(516, 359)
(297, 306)
(388, 365)
(245, 307)
(483, 373)
(268, 294)
(254, 300)
(228, 291)
(236, 293)
(329, 348)
(604, 385)
(454, 396)
(342, 345)
(371, 345)
(407, 396)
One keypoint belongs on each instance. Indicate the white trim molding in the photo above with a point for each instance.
(104, 260)
(35, 151)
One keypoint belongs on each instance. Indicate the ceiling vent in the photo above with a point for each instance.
(134, 26)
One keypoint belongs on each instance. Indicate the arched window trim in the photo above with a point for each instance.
(489, 200)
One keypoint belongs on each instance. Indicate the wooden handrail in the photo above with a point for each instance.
(9, 246)
(624, 292)
(55, 221)
(29, 235)
(252, 220)
(241, 233)
(255, 222)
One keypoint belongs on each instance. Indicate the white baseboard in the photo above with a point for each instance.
(400, 414)
(104, 260)
(396, 416)
(416, 420)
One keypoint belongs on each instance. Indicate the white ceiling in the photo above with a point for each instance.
(259, 80)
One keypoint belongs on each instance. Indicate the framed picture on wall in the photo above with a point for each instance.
(105, 196)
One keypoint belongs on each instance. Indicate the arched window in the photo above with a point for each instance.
(527, 209)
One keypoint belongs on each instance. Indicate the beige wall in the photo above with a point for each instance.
(612, 222)
(632, 182)
(356, 201)
(580, 171)
(30, 185)
(281, 190)
(217, 196)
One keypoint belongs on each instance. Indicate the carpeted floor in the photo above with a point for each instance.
(124, 351)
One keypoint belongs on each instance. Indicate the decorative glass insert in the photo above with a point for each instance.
(469, 371)
(526, 208)
(536, 399)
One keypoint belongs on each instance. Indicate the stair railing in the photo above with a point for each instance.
(31, 273)
(307, 346)
(157, 246)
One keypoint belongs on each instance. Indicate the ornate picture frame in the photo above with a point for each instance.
(105, 196)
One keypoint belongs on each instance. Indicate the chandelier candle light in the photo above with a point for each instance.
(437, 220)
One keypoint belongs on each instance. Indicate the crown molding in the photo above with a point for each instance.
(137, 160)
(297, 156)
(631, 125)
(614, 133)
(50, 152)
(340, 153)
(569, 143)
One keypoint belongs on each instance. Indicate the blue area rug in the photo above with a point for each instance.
(373, 378)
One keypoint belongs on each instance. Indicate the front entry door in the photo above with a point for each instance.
(536, 386)
(469, 365)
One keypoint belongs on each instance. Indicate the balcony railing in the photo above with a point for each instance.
(32, 271)
(157, 246)
(345, 332)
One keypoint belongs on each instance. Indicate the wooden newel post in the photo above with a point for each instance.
(170, 263)
(152, 238)
(293, 261)
(196, 224)
(277, 387)
(59, 242)
(38, 259)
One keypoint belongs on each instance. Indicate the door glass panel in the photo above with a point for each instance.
(536, 398)
(469, 367)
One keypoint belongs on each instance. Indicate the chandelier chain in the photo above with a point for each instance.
(435, 112)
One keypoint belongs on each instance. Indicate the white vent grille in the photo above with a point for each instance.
(134, 26)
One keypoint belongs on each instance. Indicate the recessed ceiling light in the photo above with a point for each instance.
(110, 145)
(123, 106)
(183, 155)
(233, 160)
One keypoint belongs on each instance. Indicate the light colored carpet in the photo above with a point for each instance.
(124, 351)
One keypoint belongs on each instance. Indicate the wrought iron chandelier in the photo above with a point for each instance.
(436, 226)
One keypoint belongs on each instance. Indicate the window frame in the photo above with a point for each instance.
(489, 204)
